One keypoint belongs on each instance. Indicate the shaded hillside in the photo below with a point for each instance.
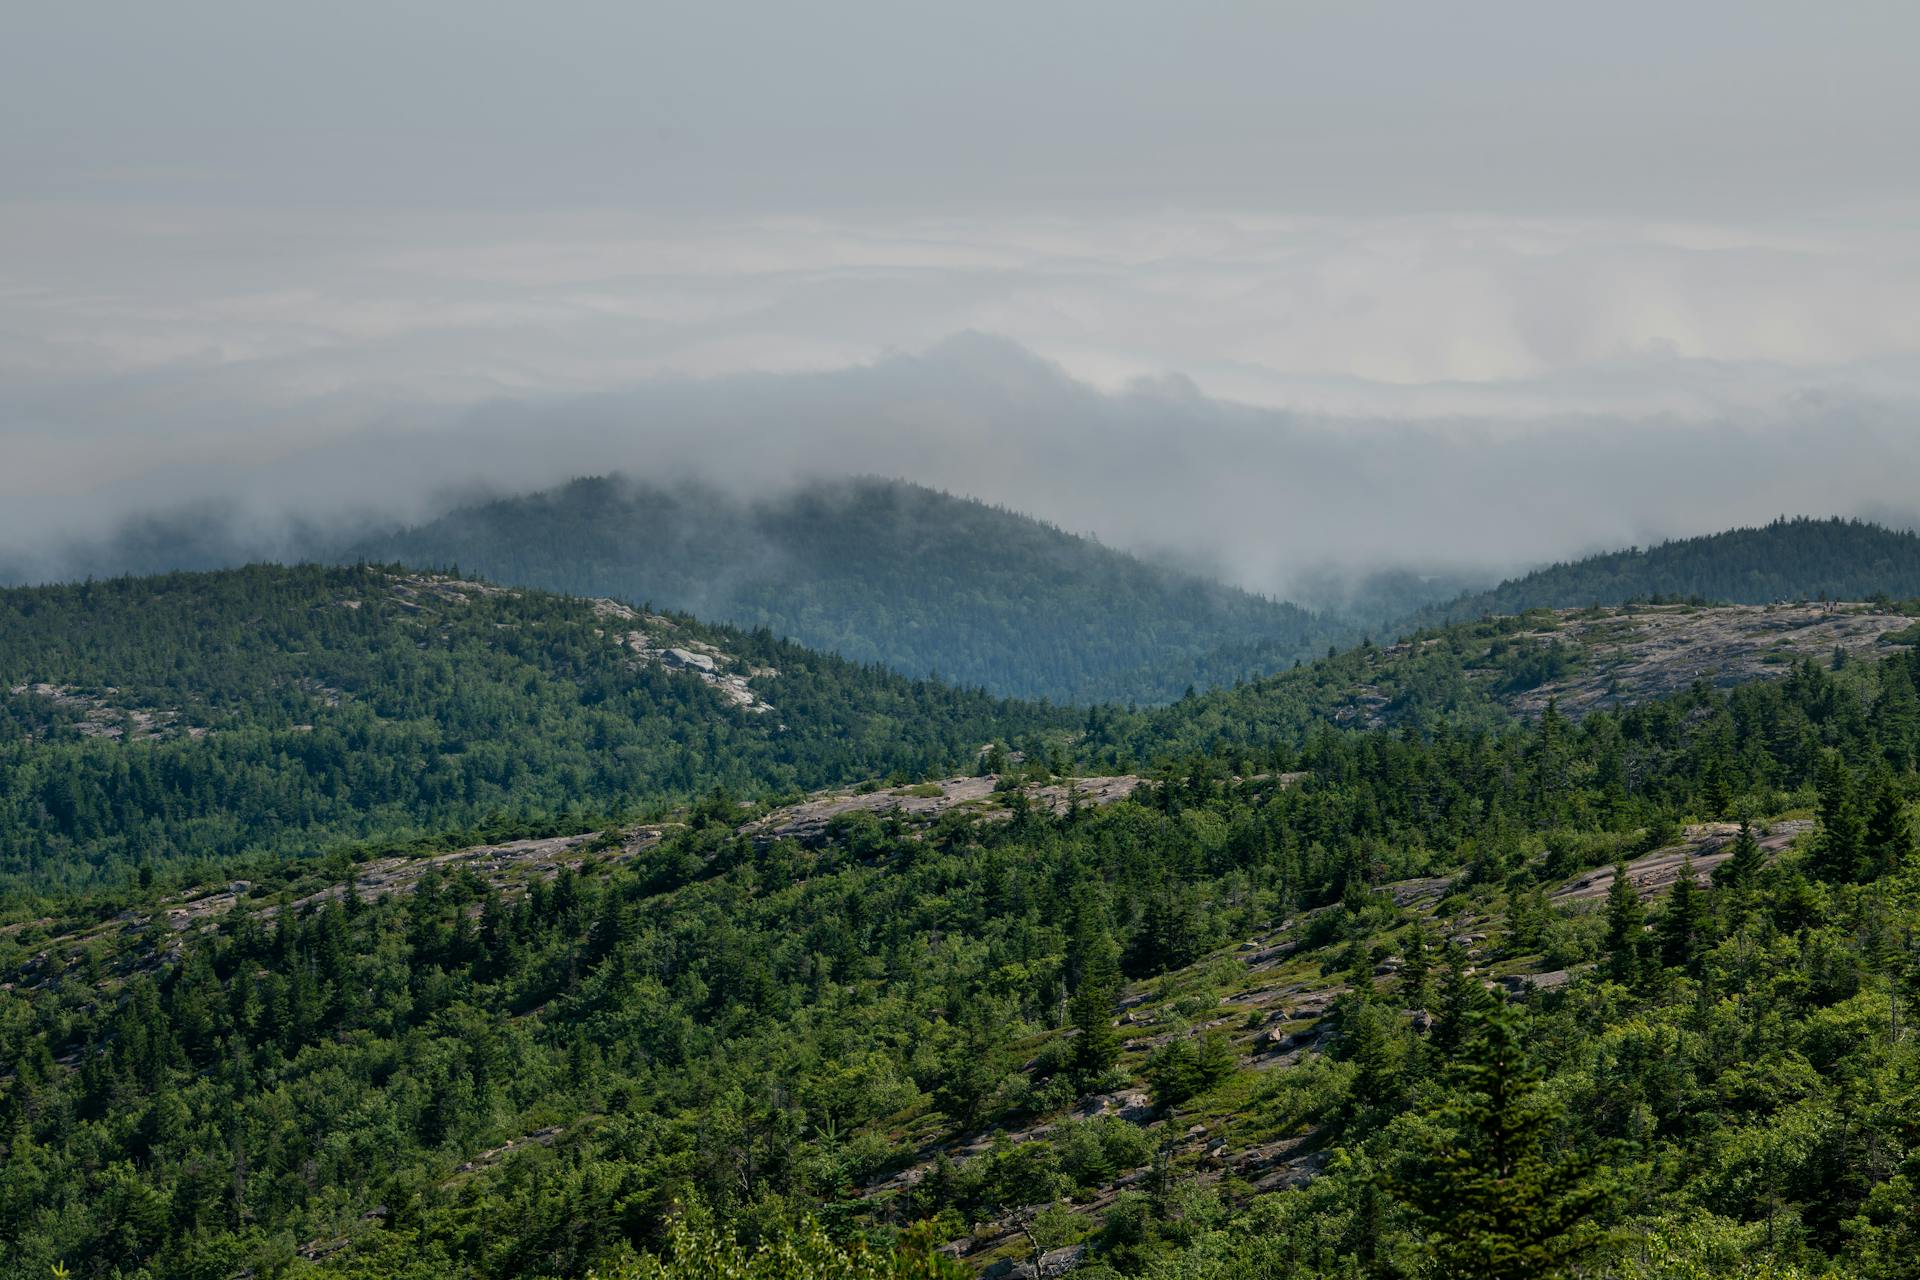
(148, 720)
(882, 571)
(1790, 559)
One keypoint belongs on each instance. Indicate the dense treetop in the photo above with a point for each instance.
(1318, 1000)
(729, 1058)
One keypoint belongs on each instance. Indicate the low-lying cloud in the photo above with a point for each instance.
(1260, 396)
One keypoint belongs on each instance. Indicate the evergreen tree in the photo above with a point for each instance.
(1169, 936)
(1626, 928)
(1527, 914)
(1096, 1046)
(1683, 923)
(1494, 1199)
(1416, 966)
(969, 1070)
(1371, 1039)
(1889, 838)
(1461, 996)
(1742, 867)
(1840, 851)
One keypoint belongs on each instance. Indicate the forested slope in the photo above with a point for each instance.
(1341, 1011)
(1479, 676)
(201, 716)
(1790, 559)
(882, 571)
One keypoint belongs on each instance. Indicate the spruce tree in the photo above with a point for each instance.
(1371, 1039)
(1096, 1046)
(1742, 869)
(1838, 855)
(1416, 967)
(1461, 997)
(1491, 1195)
(1683, 923)
(1528, 913)
(1626, 928)
(1889, 840)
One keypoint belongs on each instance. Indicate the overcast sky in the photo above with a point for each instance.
(236, 239)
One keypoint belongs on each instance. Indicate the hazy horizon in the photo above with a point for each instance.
(1259, 289)
(1270, 500)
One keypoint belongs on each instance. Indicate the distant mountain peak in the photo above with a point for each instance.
(886, 571)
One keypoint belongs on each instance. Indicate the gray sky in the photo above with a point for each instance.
(236, 239)
(1711, 107)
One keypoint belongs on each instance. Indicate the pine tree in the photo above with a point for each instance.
(1626, 928)
(1461, 997)
(1370, 1038)
(1416, 967)
(1742, 869)
(1527, 915)
(1169, 936)
(1493, 1199)
(1096, 1046)
(1683, 923)
(1838, 855)
(969, 1070)
(1889, 839)
(1550, 763)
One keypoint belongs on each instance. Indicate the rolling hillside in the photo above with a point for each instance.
(1789, 559)
(882, 571)
(1485, 675)
(146, 721)
(1279, 1023)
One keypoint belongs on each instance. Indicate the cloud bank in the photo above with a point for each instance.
(1257, 494)
(1259, 287)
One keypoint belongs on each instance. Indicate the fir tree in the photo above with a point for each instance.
(1492, 1197)
(1838, 855)
(1742, 868)
(1527, 915)
(1370, 1039)
(1683, 923)
(1416, 967)
(1626, 928)
(1889, 840)
(1461, 996)
(1096, 1046)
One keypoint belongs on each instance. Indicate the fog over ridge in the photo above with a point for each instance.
(1260, 496)
(1263, 289)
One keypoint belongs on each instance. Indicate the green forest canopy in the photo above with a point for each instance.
(148, 721)
(1802, 558)
(761, 1035)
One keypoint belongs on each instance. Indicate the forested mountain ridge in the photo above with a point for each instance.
(214, 716)
(882, 571)
(1483, 675)
(1802, 558)
(1358, 1009)
(144, 721)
